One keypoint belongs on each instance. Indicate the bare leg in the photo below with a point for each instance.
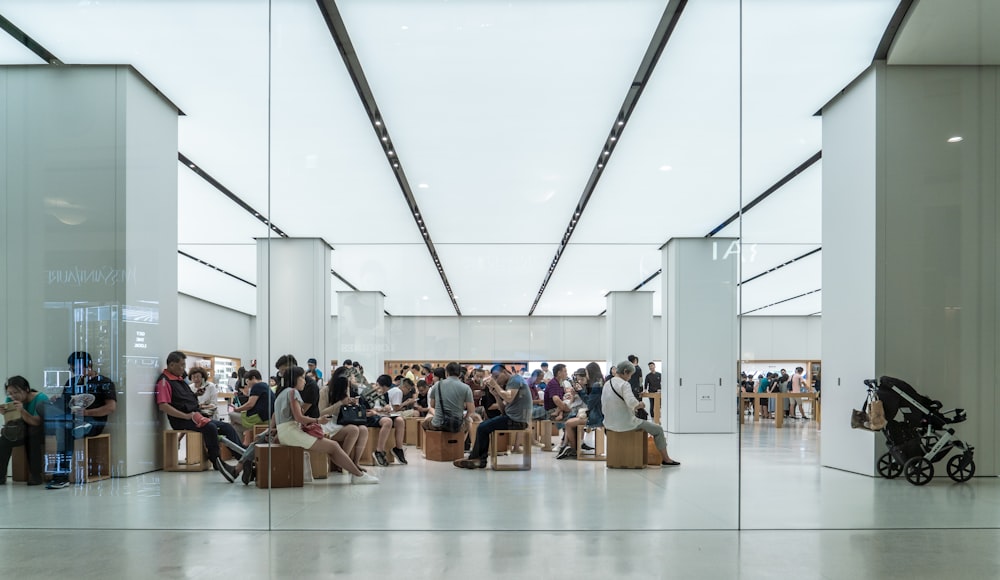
(385, 428)
(348, 438)
(400, 431)
(337, 455)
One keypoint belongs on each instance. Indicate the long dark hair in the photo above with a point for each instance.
(20, 383)
(594, 375)
(337, 389)
(288, 379)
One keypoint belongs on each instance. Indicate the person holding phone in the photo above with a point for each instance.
(25, 403)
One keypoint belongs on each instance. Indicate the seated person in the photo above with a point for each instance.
(176, 399)
(594, 416)
(68, 418)
(406, 400)
(256, 410)
(375, 401)
(206, 391)
(453, 399)
(23, 403)
(289, 420)
(422, 406)
(618, 403)
(555, 406)
(352, 438)
(515, 405)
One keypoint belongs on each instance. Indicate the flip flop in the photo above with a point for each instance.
(670, 463)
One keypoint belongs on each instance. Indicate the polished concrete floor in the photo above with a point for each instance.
(561, 519)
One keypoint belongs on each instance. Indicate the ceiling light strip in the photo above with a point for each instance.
(780, 266)
(664, 30)
(28, 42)
(232, 196)
(778, 185)
(895, 24)
(783, 301)
(338, 30)
(214, 267)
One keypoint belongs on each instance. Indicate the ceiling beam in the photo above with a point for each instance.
(338, 31)
(668, 22)
(28, 42)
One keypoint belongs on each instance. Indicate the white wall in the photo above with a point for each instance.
(781, 338)
(212, 329)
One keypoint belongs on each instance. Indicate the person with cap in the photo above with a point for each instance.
(81, 410)
(514, 397)
(311, 363)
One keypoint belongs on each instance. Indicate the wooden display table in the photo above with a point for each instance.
(654, 412)
(779, 414)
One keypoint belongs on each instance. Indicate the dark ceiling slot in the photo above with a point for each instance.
(214, 267)
(668, 22)
(338, 30)
(783, 301)
(895, 23)
(28, 42)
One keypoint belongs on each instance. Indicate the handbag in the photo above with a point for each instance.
(876, 415)
(351, 415)
(314, 429)
(449, 422)
(14, 431)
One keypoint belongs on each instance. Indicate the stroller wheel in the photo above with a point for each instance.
(888, 468)
(958, 472)
(918, 470)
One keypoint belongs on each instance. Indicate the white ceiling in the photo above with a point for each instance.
(501, 108)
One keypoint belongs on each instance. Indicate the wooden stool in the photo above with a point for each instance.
(412, 433)
(91, 459)
(420, 433)
(366, 456)
(279, 466)
(653, 456)
(543, 433)
(497, 440)
(258, 429)
(195, 459)
(20, 464)
(320, 464)
(600, 454)
(626, 449)
(443, 446)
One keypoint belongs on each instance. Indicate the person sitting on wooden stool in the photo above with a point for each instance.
(515, 405)
(453, 404)
(23, 403)
(620, 405)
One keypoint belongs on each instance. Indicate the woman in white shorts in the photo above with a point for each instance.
(289, 420)
(332, 397)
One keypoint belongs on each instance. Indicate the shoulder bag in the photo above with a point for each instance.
(449, 422)
(639, 413)
(351, 415)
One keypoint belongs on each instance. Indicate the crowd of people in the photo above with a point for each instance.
(779, 382)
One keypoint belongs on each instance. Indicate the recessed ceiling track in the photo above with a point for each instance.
(28, 42)
(783, 301)
(338, 30)
(661, 36)
(214, 267)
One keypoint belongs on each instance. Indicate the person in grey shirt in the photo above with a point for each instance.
(456, 398)
(514, 398)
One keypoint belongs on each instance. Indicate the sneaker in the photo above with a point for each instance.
(398, 452)
(586, 447)
(469, 463)
(81, 431)
(247, 474)
(569, 453)
(380, 458)
(365, 479)
(57, 484)
(563, 452)
(227, 471)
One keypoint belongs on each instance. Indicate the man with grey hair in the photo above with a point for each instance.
(619, 406)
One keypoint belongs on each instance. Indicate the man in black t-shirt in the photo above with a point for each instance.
(81, 410)
(310, 398)
(653, 379)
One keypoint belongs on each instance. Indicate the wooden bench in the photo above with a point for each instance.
(626, 449)
(91, 459)
(194, 458)
(279, 466)
(600, 452)
(412, 434)
(366, 456)
(497, 439)
(543, 433)
(319, 463)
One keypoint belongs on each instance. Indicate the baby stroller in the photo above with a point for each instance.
(922, 437)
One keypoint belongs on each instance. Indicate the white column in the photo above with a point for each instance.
(88, 213)
(630, 327)
(699, 319)
(293, 300)
(361, 330)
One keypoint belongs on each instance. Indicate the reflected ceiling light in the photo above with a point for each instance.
(613, 138)
(607, 153)
(391, 152)
(620, 123)
(384, 138)
(395, 164)
(378, 123)
(666, 168)
(404, 27)
(423, 186)
(425, 297)
(600, 165)
(955, 139)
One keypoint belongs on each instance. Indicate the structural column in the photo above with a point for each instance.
(88, 223)
(630, 327)
(293, 300)
(701, 332)
(361, 330)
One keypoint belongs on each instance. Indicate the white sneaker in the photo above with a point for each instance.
(366, 478)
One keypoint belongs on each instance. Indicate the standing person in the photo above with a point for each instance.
(636, 380)
(23, 403)
(799, 385)
(175, 398)
(515, 404)
(311, 363)
(653, 382)
(765, 404)
(619, 406)
(81, 410)
(289, 420)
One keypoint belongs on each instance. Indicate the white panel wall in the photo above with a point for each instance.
(781, 337)
(849, 187)
(213, 329)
